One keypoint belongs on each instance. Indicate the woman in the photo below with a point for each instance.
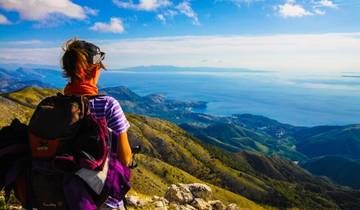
(82, 63)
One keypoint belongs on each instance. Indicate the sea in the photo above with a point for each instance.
(298, 99)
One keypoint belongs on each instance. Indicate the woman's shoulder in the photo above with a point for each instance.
(105, 100)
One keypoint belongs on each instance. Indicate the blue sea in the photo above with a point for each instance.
(297, 99)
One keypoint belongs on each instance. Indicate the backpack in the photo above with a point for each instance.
(14, 156)
(73, 158)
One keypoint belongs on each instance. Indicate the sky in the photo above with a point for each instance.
(280, 35)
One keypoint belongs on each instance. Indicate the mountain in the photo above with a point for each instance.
(11, 80)
(30, 96)
(330, 140)
(155, 105)
(234, 137)
(340, 170)
(170, 154)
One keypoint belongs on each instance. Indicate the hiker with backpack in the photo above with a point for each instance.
(79, 148)
(82, 63)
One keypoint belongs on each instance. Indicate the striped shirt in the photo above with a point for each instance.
(108, 107)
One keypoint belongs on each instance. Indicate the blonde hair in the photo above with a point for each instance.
(74, 62)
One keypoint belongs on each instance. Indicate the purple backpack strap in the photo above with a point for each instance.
(77, 193)
(118, 180)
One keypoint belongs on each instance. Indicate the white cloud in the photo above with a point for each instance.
(161, 17)
(319, 12)
(315, 53)
(165, 15)
(153, 4)
(147, 5)
(4, 20)
(41, 56)
(115, 26)
(185, 8)
(91, 11)
(41, 9)
(325, 3)
(166, 8)
(291, 9)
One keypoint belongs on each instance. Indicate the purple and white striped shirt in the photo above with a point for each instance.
(108, 107)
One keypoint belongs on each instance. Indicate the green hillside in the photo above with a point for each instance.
(153, 177)
(235, 138)
(341, 170)
(30, 96)
(331, 140)
(10, 110)
(21, 103)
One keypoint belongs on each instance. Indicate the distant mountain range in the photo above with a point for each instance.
(188, 69)
(11, 80)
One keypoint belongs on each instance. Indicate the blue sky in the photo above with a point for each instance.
(317, 31)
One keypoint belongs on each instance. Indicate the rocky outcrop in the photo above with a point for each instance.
(135, 201)
(200, 191)
(195, 196)
(179, 193)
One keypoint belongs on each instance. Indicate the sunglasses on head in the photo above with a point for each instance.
(95, 56)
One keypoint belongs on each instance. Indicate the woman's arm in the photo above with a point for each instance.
(124, 150)
(118, 123)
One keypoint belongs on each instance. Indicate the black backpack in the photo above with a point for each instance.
(62, 139)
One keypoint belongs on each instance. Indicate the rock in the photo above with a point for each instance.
(179, 193)
(232, 206)
(160, 205)
(135, 201)
(200, 204)
(217, 205)
(161, 199)
(200, 191)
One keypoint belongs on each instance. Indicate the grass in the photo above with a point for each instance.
(30, 96)
(154, 176)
